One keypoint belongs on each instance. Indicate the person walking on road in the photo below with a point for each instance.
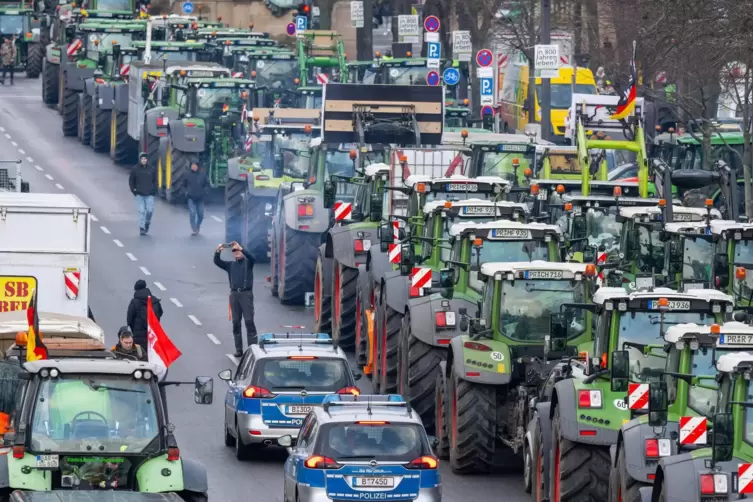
(127, 348)
(136, 316)
(195, 185)
(240, 273)
(8, 57)
(143, 184)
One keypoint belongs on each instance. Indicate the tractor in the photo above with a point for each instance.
(20, 20)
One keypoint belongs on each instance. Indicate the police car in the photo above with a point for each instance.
(277, 383)
(368, 447)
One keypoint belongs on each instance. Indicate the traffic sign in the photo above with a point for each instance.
(451, 76)
(431, 24)
(547, 59)
(487, 86)
(301, 22)
(432, 78)
(187, 7)
(461, 45)
(433, 53)
(484, 57)
(291, 29)
(487, 110)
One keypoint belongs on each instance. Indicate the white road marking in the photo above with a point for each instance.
(131, 257)
(7, 135)
(2, 129)
(14, 143)
(232, 358)
(59, 186)
(22, 152)
(29, 160)
(94, 218)
(118, 243)
(176, 302)
(194, 319)
(213, 338)
(160, 286)
(145, 271)
(39, 168)
(105, 230)
(216, 218)
(49, 177)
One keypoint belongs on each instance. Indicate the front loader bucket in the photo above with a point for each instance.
(406, 115)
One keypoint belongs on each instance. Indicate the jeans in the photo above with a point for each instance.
(195, 213)
(146, 209)
(242, 308)
(8, 68)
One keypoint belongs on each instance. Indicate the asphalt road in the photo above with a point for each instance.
(178, 269)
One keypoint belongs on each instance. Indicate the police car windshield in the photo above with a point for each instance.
(643, 327)
(110, 413)
(696, 259)
(392, 442)
(11, 25)
(314, 375)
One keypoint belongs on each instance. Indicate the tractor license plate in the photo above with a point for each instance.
(479, 210)
(543, 194)
(673, 305)
(543, 274)
(682, 217)
(48, 461)
(374, 482)
(461, 187)
(510, 233)
(298, 410)
(736, 340)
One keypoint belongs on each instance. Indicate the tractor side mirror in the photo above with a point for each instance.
(384, 232)
(375, 207)
(447, 283)
(557, 332)
(406, 259)
(657, 404)
(620, 370)
(721, 268)
(329, 194)
(579, 226)
(115, 52)
(203, 390)
(722, 438)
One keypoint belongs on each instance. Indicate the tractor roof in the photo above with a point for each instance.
(12, 10)
(605, 294)
(688, 228)
(691, 330)
(434, 205)
(734, 362)
(505, 142)
(101, 366)
(376, 169)
(570, 270)
(470, 226)
(111, 28)
(722, 227)
(679, 212)
(166, 46)
(606, 200)
(455, 178)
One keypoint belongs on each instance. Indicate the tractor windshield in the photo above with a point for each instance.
(174, 55)
(412, 75)
(696, 259)
(644, 328)
(527, 304)
(563, 163)
(603, 230)
(114, 5)
(501, 164)
(744, 253)
(651, 250)
(11, 25)
(98, 413)
(276, 75)
(703, 398)
(212, 101)
(338, 162)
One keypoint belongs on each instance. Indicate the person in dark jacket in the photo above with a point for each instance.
(127, 348)
(240, 273)
(195, 185)
(143, 184)
(136, 316)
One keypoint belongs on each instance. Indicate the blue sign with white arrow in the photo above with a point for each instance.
(301, 22)
(434, 50)
(487, 86)
(187, 7)
(451, 76)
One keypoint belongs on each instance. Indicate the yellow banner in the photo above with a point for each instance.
(15, 292)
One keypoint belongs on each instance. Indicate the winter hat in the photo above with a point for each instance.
(140, 284)
(124, 331)
(143, 155)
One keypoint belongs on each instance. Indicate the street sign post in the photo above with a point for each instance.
(290, 29)
(187, 7)
(432, 78)
(356, 13)
(451, 76)
(301, 22)
(461, 45)
(547, 60)
(486, 86)
(408, 29)
(433, 54)
(484, 57)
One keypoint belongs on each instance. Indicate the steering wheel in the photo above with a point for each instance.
(88, 416)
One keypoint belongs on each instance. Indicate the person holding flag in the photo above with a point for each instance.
(35, 347)
(161, 351)
(626, 104)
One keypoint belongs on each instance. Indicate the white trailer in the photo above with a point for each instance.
(44, 245)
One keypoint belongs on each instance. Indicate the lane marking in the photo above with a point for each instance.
(49, 177)
(59, 186)
(176, 302)
(118, 243)
(39, 168)
(131, 257)
(14, 143)
(7, 135)
(105, 230)
(29, 160)
(160, 286)
(22, 152)
(2, 129)
(145, 271)
(194, 319)
(213, 338)
(94, 218)
(216, 218)
(232, 358)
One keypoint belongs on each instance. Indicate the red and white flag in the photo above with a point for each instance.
(162, 352)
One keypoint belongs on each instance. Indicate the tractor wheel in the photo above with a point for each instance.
(177, 166)
(440, 417)
(580, 472)
(344, 280)
(361, 328)
(122, 148)
(297, 262)
(274, 275)
(61, 92)
(537, 469)
(100, 128)
(50, 82)
(70, 112)
(85, 119)
(388, 345)
(34, 58)
(235, 193)
(256, 229)
(322, 299)
(626, 488)
(418, 368)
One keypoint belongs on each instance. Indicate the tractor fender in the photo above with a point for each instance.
(104, 96)
(340, 242)
(543, 421)
(52, 53)
(187, 139)
(564, 396)
(75, 76)
(460, 360)
(422, 317)
(634, 436)
(89, 86)
(377, 264)
(172, 116)
(194, 476)
(683, 471)
(120, 97)
(318, 224)
(646, 493)
(326, 273)
(396, 291)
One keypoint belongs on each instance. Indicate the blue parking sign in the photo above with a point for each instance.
(434, 50)
(301, 22)
(487, 86)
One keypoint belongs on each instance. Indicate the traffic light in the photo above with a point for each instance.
(304, 9)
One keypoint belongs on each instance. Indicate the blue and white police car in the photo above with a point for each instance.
(277, 383)
(367, 447)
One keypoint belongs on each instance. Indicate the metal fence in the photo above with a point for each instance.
(10, 175)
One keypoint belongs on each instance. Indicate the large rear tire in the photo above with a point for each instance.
(538, 489)
(273, 262)
(85, 119)
(123, 149)
(34, 58)
(387, 349)
(100, 128)
(344, 281)
(322, 299)
(473, 425)
(627, 489)
(440, 420)
(70, 112)
(178, 165)
(580, 472)
(256, 238)
(50, 83)
(296, 261)
(235, 192)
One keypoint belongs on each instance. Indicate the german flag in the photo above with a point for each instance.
(626, 104)
(35, 348)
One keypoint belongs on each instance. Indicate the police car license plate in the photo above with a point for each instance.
(48, 461)
(736, 340)
(462, 187)
(298, 410)
(673, 305)
(374, 482)
(543, 274)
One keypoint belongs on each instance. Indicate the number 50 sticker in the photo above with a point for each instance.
(498, 356)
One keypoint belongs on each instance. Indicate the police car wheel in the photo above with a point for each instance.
(229, 439)
(242, 452)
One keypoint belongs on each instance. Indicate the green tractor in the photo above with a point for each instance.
(483, 389)
(579, 414)
(20, 20)
(690, 353)
(231, 52)
(732, 261)
(321, 58)
(276, 153)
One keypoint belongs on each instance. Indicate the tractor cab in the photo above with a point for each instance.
(511, 156)
(229, 51)
(275, 70)
(733, 259)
